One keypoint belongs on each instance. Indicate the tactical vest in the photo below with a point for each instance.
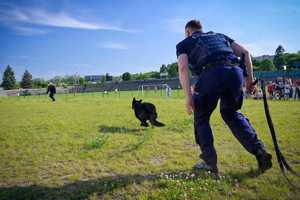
(210, 47)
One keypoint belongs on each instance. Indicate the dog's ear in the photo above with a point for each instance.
(133, 99)
(140, 100)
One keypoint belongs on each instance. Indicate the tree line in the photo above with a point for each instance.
(280, 61)
(9, 81)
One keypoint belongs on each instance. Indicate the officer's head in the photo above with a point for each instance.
(192, 26)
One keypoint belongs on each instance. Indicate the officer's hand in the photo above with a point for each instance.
(189, 104)
(251, 89)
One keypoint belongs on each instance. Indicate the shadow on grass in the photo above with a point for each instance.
(84, 189)
(142, 140)
(116, 129)
(240, 176)
(76, 190)
(105, 131)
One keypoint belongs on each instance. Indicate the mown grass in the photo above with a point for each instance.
(90, 146)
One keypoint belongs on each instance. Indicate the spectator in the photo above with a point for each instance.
(286, 92)
(297, 93)
(270, 89)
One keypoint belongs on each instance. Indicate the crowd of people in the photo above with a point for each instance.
(284, 89)
(281, 89)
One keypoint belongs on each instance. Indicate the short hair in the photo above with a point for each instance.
(194, 24)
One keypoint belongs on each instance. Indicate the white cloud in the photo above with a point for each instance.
(27, 31)
(58, 19)
(113, 45)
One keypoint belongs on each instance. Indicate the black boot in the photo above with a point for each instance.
(212, 170)
(264, 160)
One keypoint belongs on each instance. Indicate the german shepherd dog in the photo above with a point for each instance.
(144, 112)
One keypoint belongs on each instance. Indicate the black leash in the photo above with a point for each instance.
(284, 166)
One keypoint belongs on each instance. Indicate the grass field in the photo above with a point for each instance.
(91, 147)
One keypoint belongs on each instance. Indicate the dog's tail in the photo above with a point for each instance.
(157, 123)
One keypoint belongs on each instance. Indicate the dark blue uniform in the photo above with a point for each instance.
(218, 79)
(52, 91)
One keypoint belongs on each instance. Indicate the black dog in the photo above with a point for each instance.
(144, 112)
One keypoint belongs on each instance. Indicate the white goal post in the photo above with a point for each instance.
(162, 88)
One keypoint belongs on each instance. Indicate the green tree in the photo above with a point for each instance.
(81, 81)
(163, 69)
(126, 76)
(8, 80)
(292, 60)
(26, 80)
(141, 76)
(39, 83)
(278, 59)
(266, 65)
(108, 77)
(255, 62)
(154, 74)
(280, 50)
(173, 70)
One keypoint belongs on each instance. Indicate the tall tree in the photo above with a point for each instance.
(255, 62)
(266, 65)
(9, 80)
(39, 83)
(126, 76)
(173, 70)
(280, 50)
(81, 81)
(292, 60)
(26, 80)
(163, 69)
(108, 77)
(278, 59)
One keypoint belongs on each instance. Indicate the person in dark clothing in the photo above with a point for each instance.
(51, 90)
(210, 56)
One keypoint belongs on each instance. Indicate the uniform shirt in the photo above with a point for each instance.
(51, 89)
(188, 44)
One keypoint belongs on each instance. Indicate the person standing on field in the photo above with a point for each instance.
(210, 56)
(51, 90)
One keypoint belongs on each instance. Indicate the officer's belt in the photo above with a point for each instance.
(218, 63)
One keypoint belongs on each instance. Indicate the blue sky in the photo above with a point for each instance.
(60, 37)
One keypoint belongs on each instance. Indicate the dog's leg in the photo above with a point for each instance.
(144, 123)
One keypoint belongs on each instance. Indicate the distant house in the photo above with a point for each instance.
(94, 78)
(264, 57)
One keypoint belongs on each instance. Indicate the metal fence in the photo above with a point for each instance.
(26, 92)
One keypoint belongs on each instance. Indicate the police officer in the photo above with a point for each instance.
(211, 57)
(51, 90)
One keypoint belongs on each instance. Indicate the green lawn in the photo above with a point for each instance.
(91, 147)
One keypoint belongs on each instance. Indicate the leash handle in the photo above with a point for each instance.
(255, 82)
